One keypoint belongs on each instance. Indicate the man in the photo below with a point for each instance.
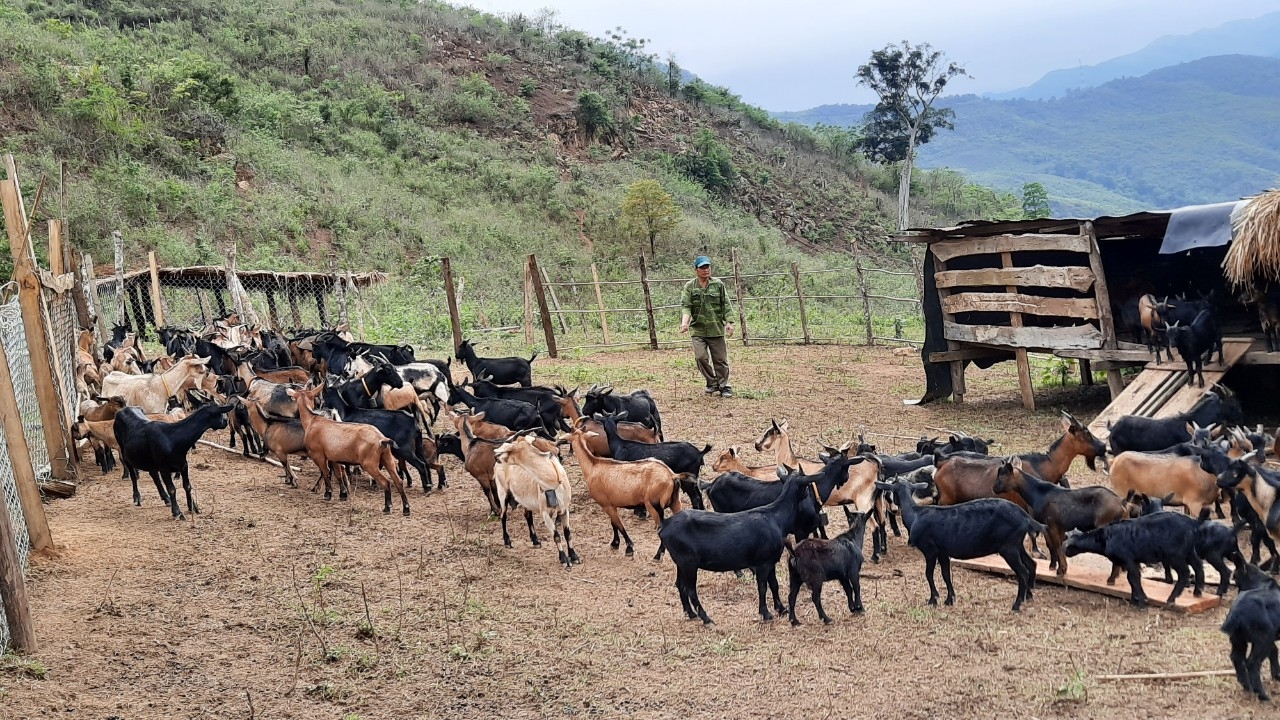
(706, 308)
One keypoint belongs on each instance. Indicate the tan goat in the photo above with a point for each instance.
(730, 462)
(151, 393)
(536, 481)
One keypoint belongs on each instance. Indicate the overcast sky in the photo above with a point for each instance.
(796, 54)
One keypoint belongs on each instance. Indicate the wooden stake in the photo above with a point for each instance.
(35, 321)
(1166, 676)
(555, 301)
(866, 299)
(157, 301)
(91, 282)
(24, 473)
(118, 241)
(450, 294)
(1024, 363)
(742, 309)
(957, 366)
(648, 304)
(528, 307)
(57, 252)
(13, 584)
(1105, 322)
(804, 318)
(604, 317)
(543, 310)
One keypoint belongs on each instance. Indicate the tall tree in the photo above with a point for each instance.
(1035, 201)
(649, 210)
(908, 79)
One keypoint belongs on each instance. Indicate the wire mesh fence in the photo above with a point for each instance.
(14, 338)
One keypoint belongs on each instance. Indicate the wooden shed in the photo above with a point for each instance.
(997, 290)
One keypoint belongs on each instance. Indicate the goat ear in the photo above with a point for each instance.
(1167, 498)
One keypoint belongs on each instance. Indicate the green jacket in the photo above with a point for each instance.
(708, 307)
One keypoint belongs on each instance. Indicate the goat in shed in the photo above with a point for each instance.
(1195, 340)
(161, 449)
(965, 531)
(502, 371)
(815, 561)
(536, 481)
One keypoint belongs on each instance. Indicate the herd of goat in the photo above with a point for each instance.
(355, 407)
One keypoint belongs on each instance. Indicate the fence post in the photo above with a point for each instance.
(555, 301)
(339, 289)
(648, 304)
(35, 322)
(24, 473)
(13, 589)
(84, 312)
(543, 310)
(742, 310)
(866, 301)
(57, 251)
(95, 303)
(157, 301)
(528, 306)
(804, 318)
(604, 317)
(117, 240)
(450, 294)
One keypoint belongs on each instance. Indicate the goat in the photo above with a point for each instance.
(403, 429)
(614, 483)
(502, 371)
(1149, 326)
(516, 415)
(101, 436)
(1267, 299)
(730, 462)
(283, 437)
(1133, 432)
(1215, 544)
(161, 449)
(775, 438)
(732, 492)
(537, 482)
(639, 406)
(955, 444)
(1253, 626)
(1190, 479)
(1060, 509)
(683, 458)
(723, 542)
(1260, 487)
(544, 400)
(599, 444)
(816, 561)
(330, 442)
(151, 393)
(1163, 537)
(1202, 336)
(966, 531)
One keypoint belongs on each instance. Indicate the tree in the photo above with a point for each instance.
(709, 162)
(674, 76)
(908, 79)
(648, 208)
(1035, 201)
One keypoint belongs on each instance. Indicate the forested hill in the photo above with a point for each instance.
(394, 132)
(1198, 132)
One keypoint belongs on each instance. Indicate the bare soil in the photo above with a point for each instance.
(274, 603)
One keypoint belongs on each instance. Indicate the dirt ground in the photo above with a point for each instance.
(277, 604)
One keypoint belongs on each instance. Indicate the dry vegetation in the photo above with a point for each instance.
(276, 604)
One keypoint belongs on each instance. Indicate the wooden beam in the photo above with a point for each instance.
(1115, 382)
(742, 310)
(1016, 302)
(604, 317)
(157, 302)
(1057, 338)
(13, 583)
(1130, 356)
(451, 298)
(24, 473)
(957, 365)
(648, 304)
(948, 249)
(1025, 386)
(1079, 279)
(969, 354)
(804, 317)
(543, 310)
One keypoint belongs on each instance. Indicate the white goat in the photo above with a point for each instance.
(151, 393)
(537, 482)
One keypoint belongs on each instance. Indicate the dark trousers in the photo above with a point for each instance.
(712, 354)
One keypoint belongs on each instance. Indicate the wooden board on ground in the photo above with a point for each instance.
(1152, 393)
(1086, 572)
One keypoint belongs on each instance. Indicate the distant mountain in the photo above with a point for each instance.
(1198, 132)
(1259, 36)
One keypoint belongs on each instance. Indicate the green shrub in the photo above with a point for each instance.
(528, 87)
(594, 114)
(708, 163)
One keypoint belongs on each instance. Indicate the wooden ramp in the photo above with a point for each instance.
(1161, 389)
(1089, 572)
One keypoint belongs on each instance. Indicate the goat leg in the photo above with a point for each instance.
(533, 537)
(945, 562)
(794, 579)
(186, 487)
(762, 586)
(568, 543)
(929, 563)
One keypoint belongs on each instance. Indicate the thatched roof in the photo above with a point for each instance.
(1255, 252)
(215, 277)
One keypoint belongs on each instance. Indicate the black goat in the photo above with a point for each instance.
(1196, 340)
(546, 400)
(1164, 537)
(724, 542)
(965, 531)
(362, 392)
(816, 561)
(955, 443)
(161, 449)
(400, 427)
(1215, 543)
(735, 492)
(502, 371)
(681, 457)
(1253, 626)
(1132, 432)
(515, 415)
(639, 406)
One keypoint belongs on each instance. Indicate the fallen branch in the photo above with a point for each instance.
(233, 451)
(1166, 676)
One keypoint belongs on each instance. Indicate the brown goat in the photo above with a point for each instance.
(617, 484)
(775, 438)
(730, 462)
(282, 437)
(480, 439)
(1158, 475)
(598, 442)
(330, 442)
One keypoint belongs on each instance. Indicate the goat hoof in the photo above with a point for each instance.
(537, 543)
(933, 602)
(406, 512)
(573, 558)
(858, 609)
(328, 496)
(630, 552)
(386, 510)
(795, 623)
(1197, 593)
(826, 621)
(949, 602)
(709, 621)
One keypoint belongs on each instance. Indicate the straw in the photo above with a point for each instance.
(1255, 252)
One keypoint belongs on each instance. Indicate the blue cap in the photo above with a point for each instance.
(701, 260)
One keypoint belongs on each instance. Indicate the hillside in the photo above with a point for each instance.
(1199, 132)
(390, 133)
(1257, 36)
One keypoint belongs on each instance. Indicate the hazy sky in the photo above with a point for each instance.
(800, 53)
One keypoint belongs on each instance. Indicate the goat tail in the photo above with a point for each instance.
(790, 544)
(706, 449)
(533, 356)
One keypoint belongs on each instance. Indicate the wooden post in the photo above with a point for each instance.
(1107, 325)
(543, 310)
(321, 306)
(450, 294)
(528, 307)
(139, 316)
(742, 310)
(118, 241)
(222, 302)
(604, 317)
(1024, 363)
(35, 322)
(957, 366)
(352, 292)
(340, 289)
(24, 473)
(648, 304)
(804, 318)
(84, 315)
(91, 281)
(1086, 372)
(866, 300)
(291, 290)
(157, 301)
(13, 590)
(273, 313)
(555, 301)
(206, 315)
(57, 252)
